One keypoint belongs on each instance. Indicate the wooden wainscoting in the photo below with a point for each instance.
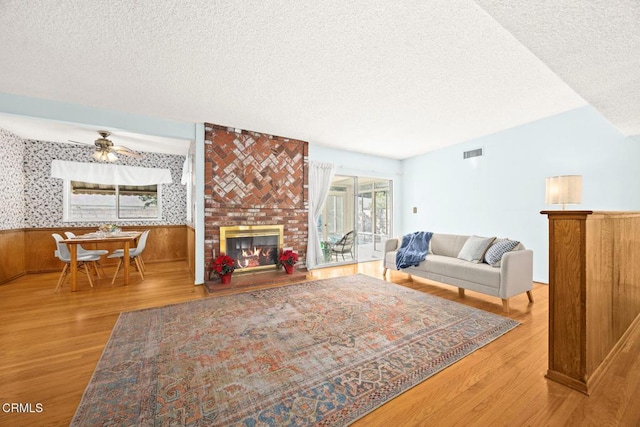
(165, 243)
(12, 259)
(191, 250)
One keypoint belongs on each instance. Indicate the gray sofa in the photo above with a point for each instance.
(509, 276)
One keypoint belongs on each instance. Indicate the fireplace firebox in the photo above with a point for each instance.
(254, 247)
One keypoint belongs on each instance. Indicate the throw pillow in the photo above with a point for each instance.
(474, 248)
(500, 247)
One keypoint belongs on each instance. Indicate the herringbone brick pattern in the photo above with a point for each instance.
(251, 170)
(254, 179)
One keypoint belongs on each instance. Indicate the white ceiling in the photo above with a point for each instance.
(392, 78)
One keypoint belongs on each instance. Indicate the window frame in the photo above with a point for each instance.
(66, 210)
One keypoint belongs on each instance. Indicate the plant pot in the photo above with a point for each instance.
(288, 268)
(225, 278)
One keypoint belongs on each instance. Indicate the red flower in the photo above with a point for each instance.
(224, 264)
(288, 257)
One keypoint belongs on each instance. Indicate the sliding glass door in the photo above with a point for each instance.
(356, 219)
(337, 221)
(374, 217)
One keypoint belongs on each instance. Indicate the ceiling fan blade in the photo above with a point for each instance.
(105, 150)
(126, 151)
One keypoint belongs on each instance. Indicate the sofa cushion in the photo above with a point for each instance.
(494, 254)
(461, 269)
(390, 258)
(446, 244)
(474, 248)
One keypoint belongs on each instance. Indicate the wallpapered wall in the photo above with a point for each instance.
(12, 211)
(42, 195)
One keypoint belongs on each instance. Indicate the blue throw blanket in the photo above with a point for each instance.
(414, 249)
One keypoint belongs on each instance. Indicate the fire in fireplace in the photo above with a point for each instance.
(253, 251)
(254, 247)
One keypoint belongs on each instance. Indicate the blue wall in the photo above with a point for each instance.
(502, 193)
(80, 114)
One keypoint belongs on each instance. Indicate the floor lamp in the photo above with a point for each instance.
(563, 190)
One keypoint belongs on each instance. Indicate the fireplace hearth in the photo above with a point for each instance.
(254, 247)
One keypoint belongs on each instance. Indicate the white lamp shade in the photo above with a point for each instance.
(565, 189)
(105, 156)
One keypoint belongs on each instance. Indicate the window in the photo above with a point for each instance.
(124, 192)
(104, 202)
(334, 207)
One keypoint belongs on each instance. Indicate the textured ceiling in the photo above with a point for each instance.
(594, 46)
(392, 78)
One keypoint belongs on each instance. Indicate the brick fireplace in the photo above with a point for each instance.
(254, 179)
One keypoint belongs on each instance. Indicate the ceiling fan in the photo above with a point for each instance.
(106, 151)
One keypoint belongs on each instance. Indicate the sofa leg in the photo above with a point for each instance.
(505, 305)
(461, 292)
(530, 295)
(384, 272)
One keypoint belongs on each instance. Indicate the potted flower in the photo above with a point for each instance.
(288, 259)
(224, 266)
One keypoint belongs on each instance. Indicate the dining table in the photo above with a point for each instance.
(126, 237)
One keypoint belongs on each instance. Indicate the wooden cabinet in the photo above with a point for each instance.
(594, 291)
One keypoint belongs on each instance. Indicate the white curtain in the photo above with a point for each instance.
(320, 176)
(187, 167)
(98, 173)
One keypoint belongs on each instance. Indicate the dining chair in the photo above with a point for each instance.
(82, 251)
(140, 259)
(134, 255)
(63, 254)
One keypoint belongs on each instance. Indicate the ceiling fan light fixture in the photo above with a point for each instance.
(104, 156)
(106, 151)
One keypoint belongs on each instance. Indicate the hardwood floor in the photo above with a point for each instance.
(51, 344)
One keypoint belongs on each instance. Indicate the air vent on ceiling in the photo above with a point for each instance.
(472, 153)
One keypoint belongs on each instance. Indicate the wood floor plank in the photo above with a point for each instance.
(52, 342)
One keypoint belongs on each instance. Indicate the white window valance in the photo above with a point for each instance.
(97, 173)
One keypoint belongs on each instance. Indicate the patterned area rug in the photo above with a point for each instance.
(324, 353)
